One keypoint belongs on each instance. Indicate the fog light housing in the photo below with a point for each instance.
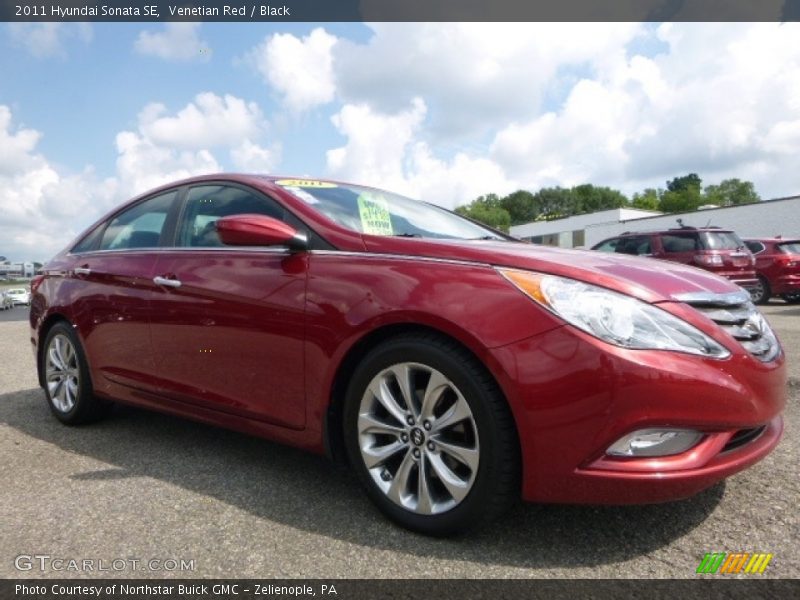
(655, 442)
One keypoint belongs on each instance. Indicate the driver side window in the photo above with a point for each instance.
(206, 204)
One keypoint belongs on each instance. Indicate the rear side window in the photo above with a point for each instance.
(721, 240)
(206, 204)
(140, 226)
(680, 242)
(790, 248)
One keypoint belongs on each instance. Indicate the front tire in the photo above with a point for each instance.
(431, 436)
(68, 387)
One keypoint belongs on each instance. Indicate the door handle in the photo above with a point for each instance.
(82, 271)
(173, 283)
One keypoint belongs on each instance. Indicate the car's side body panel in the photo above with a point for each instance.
(230, 337)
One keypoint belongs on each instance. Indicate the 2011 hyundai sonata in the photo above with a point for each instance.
(454, 368)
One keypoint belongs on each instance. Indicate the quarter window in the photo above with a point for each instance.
(206, 204)
(140, 226)
(680, 242)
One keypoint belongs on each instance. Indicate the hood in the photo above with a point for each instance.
(648, 279)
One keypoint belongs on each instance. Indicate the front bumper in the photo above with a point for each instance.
(573, 396)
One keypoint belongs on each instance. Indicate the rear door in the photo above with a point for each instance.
(111, 283)
(228, 322)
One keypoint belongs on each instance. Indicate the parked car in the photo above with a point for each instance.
(720, 251)
(19, 296)
(6, 301)
(453, 367)
(777, 267)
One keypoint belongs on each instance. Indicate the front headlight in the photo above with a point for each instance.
(613, 317)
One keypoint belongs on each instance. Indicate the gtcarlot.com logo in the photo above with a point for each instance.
(731, 563)
(45, 562)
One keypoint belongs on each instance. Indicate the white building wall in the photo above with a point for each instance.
(564, 227)
(762, 219)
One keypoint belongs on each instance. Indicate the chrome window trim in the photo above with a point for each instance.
(175, 249)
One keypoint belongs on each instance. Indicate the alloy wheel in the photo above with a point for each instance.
(418, 438)
(62, 373)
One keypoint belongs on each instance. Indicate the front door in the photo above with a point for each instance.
(227, 323)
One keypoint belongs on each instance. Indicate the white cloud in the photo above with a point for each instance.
(210, 120)
(41, 207)
(166, 147)
(299, 69)
(176, 42)
(381, 151)
(566, 104)
(47, 40)
(472, 76)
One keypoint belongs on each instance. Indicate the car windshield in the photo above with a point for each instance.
(376, 212)
(790, 247)
(721, 240)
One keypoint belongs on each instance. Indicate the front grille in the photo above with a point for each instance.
(742, 437)
(737, 315)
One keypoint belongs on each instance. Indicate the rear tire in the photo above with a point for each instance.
(68, 387)
(762, 293)
(438, 454)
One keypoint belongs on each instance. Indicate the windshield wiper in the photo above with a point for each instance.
(488, 237)
(415, 235)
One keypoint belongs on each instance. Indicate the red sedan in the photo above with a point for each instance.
(455, 369)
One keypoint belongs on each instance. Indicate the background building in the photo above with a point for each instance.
(761, 219)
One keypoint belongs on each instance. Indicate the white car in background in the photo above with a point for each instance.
(19, 296)
(6, 301)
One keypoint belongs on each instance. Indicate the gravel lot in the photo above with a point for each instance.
(144, 486)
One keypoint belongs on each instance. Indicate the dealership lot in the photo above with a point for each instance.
(141, 486)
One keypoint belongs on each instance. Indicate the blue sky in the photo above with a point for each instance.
(91, 115)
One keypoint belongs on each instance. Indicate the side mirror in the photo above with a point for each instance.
(259, 230)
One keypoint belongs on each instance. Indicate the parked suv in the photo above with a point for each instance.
(777, 268)
(720, 251)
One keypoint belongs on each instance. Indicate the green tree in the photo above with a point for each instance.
(685, 200)
(649, 199)
(556, 202)
(731, 192)
(590, 198)
(487, 210)
(521, 206)
(685, 183)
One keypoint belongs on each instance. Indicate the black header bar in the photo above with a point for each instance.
(399, 10)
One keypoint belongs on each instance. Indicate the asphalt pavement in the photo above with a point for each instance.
(141, 486)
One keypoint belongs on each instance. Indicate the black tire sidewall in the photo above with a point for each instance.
(471, 510)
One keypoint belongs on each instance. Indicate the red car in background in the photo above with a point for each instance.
(720, 251)
(778, 268)
(454, 368)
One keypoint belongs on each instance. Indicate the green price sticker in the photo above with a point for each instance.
(374, 213)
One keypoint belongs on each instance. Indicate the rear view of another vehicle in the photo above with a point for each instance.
(719, 251)
(777, 268)
(19, 296)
